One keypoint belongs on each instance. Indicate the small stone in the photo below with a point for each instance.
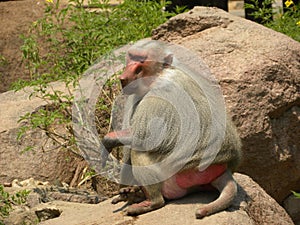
(16, 184)
(65, 185)
(45, 183)
(6, 184)
(28, 182)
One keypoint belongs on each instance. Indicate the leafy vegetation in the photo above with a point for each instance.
(66, 41)
(287, 22)
(7, 201)
(297, 195)
(73, 37)
(261, 10)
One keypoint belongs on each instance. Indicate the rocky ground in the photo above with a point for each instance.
(53, 205)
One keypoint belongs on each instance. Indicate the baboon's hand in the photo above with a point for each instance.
(116, 139)
(110, 142)
(130, 195)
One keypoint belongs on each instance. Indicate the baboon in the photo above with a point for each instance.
(169, 137)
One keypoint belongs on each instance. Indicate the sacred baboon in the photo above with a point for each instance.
(170, 137)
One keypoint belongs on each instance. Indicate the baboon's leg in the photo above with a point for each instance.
(228, 190)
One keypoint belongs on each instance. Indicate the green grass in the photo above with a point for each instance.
(287, 22)
(72, 38)
(297, 195)
(8, 200)
(65, 42)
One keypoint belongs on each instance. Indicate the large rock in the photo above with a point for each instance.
(252, 206)
(259, 72)
(46, 161)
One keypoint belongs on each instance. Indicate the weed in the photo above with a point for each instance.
(7, 201)
(297, 195)
(287, 22)
(261, 11)
(65, 42)
(74, 37)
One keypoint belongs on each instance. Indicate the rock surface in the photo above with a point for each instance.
(45, 161)
(259, 73)
(43, 192)
(252, 206)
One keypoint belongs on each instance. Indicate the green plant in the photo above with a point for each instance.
(3, 60)
(288, 22)
(7, 201)
(297, 195)
(56, 112)
(261, 10)
(65, 42)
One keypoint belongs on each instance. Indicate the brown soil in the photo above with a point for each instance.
(16, 17)
(15, 20)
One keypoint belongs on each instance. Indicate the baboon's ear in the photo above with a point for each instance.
(168, 60)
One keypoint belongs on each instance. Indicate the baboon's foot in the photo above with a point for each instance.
(143, 207)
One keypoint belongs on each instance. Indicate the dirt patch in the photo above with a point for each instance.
(15, 19)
